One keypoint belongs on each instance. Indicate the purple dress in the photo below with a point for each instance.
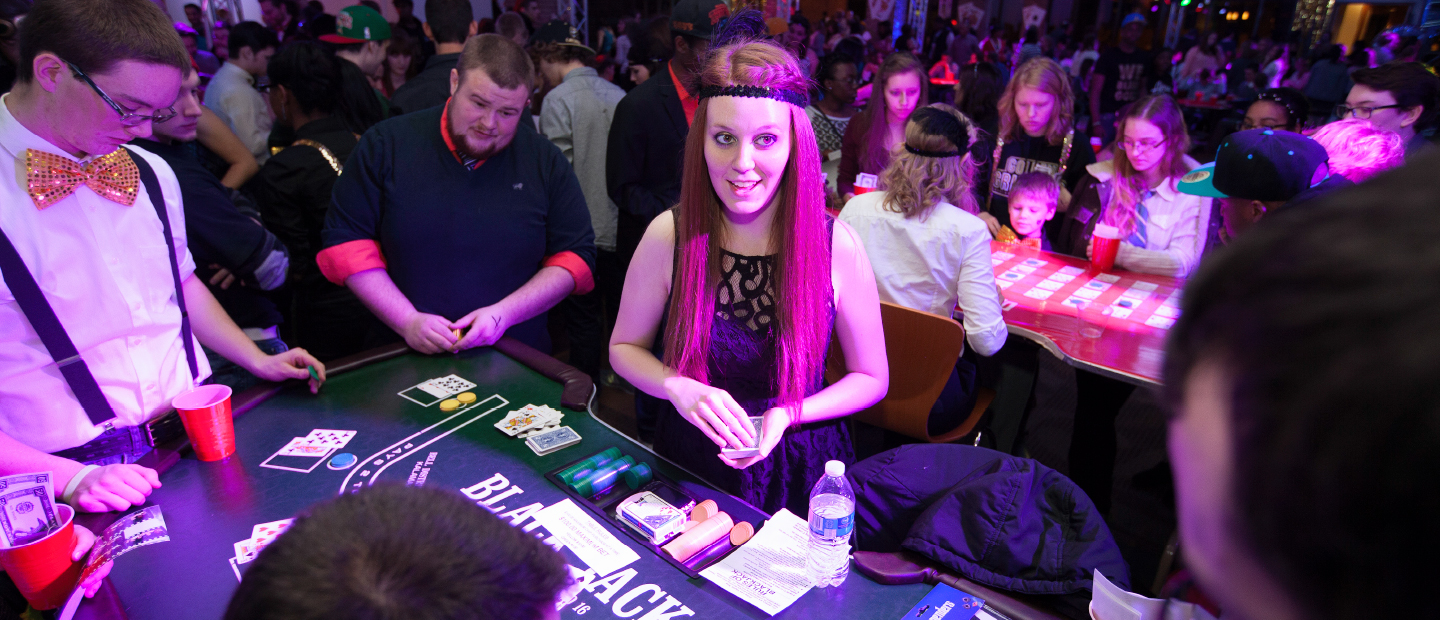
(742, 362)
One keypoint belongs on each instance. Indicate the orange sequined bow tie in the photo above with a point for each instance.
(50, 178)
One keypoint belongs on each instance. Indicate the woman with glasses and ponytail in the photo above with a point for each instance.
(1162, 231)
(730, 303)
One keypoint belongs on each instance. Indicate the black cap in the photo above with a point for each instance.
(1260, 164)
(560, 32)
(698, 18)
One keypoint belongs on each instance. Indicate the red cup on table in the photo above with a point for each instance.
(1104, 244)
(865, 183)
(205, 411)
(43, 570)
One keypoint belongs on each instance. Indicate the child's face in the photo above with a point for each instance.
(1028, 214)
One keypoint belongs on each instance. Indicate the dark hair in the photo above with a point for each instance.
(558, 53)
(318, 26)
(509, 24)
(1323, 319)
(449, 19)
(503, 60)
(1409, 83)
(828, 66)
(395, 551)
(309, 72)
(253, 35)
(96, 34)
(192, 5)
(977, 91)
(1297, 107)
(1330, 52)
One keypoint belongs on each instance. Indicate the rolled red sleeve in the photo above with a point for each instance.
(571, 262)
(339, 262)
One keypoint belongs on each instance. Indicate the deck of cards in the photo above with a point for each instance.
(552, 440)
(260, 537)
(539, 426)
(757, 423)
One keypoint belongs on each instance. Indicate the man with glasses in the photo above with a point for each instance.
(99, 300)
(1402, 97)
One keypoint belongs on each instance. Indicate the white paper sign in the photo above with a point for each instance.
(589, 540)
(769, 571)
(1109, 602)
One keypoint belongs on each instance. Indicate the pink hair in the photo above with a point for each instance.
(1359, 150)
(801, 278)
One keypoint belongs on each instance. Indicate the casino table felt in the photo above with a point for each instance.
(209, 506)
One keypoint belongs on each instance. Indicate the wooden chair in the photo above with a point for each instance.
(922, 349)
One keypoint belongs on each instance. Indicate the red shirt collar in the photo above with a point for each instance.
(450, 143)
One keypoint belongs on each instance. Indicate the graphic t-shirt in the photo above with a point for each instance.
(1128, 76)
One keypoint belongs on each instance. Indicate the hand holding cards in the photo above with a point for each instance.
(757, 423)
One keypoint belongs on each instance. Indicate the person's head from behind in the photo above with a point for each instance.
(489, 88)
(1150, 149)
(394, 551)
(1256, 172)
(1288, 505)
(304, 83)
(183, 126)
(1402, 97)
(1033, 199)
(450, 21)
(838, 79)
(1277, 108)
(751, 154)
(977, 90)
(933, 165)
(512, 26)
(251, 46)
(557, 50)
(1359, 150)
(101, 71)
(361, 36)
(1039, 101)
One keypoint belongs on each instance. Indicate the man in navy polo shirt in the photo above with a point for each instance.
(460, 218)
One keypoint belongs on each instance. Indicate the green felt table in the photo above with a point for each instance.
(210, 506)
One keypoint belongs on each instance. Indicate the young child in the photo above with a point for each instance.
(1033, 198)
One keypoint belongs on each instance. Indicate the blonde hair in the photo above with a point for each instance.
(1359, 150)
(914, 184)
(1046, 76)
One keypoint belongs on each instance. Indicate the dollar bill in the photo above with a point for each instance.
(27, 508)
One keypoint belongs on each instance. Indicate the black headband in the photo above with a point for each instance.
(937, 122)
(791, 97)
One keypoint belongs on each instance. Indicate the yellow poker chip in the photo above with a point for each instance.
(466, 397)
(449, 404)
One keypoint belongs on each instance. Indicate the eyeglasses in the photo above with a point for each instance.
(1137, 146)
(128, 119)
(1343, 110)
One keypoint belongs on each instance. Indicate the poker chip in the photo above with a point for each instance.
(344, 460)
(449, 404)
(466, 398)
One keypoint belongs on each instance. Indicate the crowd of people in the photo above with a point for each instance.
(324, 184)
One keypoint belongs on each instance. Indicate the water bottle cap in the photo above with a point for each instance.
(834, 468)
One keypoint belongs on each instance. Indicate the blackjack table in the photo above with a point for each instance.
(403, 435)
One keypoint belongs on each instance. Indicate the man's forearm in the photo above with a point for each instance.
(545, 289)
(214, 327)
(379, 293)
(19, 458)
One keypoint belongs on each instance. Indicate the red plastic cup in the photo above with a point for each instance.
(1105, 243)
(43, 570)
(205, 411)
(864, 184)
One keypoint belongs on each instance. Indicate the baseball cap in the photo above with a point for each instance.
(1131, 19)
(698, 18)
(560, 32)
(358, 24)
(1260, 164)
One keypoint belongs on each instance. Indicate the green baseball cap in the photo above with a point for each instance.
(358, 24)
(698, 18)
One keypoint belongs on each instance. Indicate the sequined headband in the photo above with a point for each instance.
(940, 123)
(1274, 97)
(759, 92)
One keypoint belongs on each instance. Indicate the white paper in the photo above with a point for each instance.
(589, 540)
(769, 571)
(1109, 602)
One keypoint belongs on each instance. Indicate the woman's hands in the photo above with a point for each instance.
(712, 410)
(772, 430)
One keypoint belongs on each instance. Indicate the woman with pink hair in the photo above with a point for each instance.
(1359, 150)
(731, 299)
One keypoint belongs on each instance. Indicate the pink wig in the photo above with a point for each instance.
(1359, 150)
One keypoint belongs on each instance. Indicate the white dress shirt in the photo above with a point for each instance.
(932, 264)
(1175, 232)
(105, 270)
(231, 95)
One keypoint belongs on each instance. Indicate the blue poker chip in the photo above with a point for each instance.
(344, 460)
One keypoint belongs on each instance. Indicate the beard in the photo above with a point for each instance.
(472, 147)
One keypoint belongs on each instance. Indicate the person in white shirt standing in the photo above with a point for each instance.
(93, 340)
(929, 249)
(231, 94)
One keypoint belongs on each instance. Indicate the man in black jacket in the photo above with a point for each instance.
(450, 23)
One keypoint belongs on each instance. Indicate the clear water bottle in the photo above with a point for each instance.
(832, 519)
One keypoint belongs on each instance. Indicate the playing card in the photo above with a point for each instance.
(1049, 285)
(1097, 285)
(327, 438)
(1159, 322)
(27, 508)
(1120, 313)
(1026, 269)
(1003, 255)
(551, 441)
(756, 422)
(1004, 284)
(245, 551)
(1146, 286)
(1087, 293)
(1071, 271)
(300, 447)
(1108, 277)
(265, 533)
(1038, 293)
(1169, 312)
(1060, 277)
(517, 421)
(1135, 293)
(137, 529)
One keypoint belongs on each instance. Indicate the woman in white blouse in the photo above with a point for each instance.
(929, 250)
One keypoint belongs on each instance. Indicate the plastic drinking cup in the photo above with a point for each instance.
(205, 411)
(43, 570)
(1093, 316)
(864, 183)
(1105, 243)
